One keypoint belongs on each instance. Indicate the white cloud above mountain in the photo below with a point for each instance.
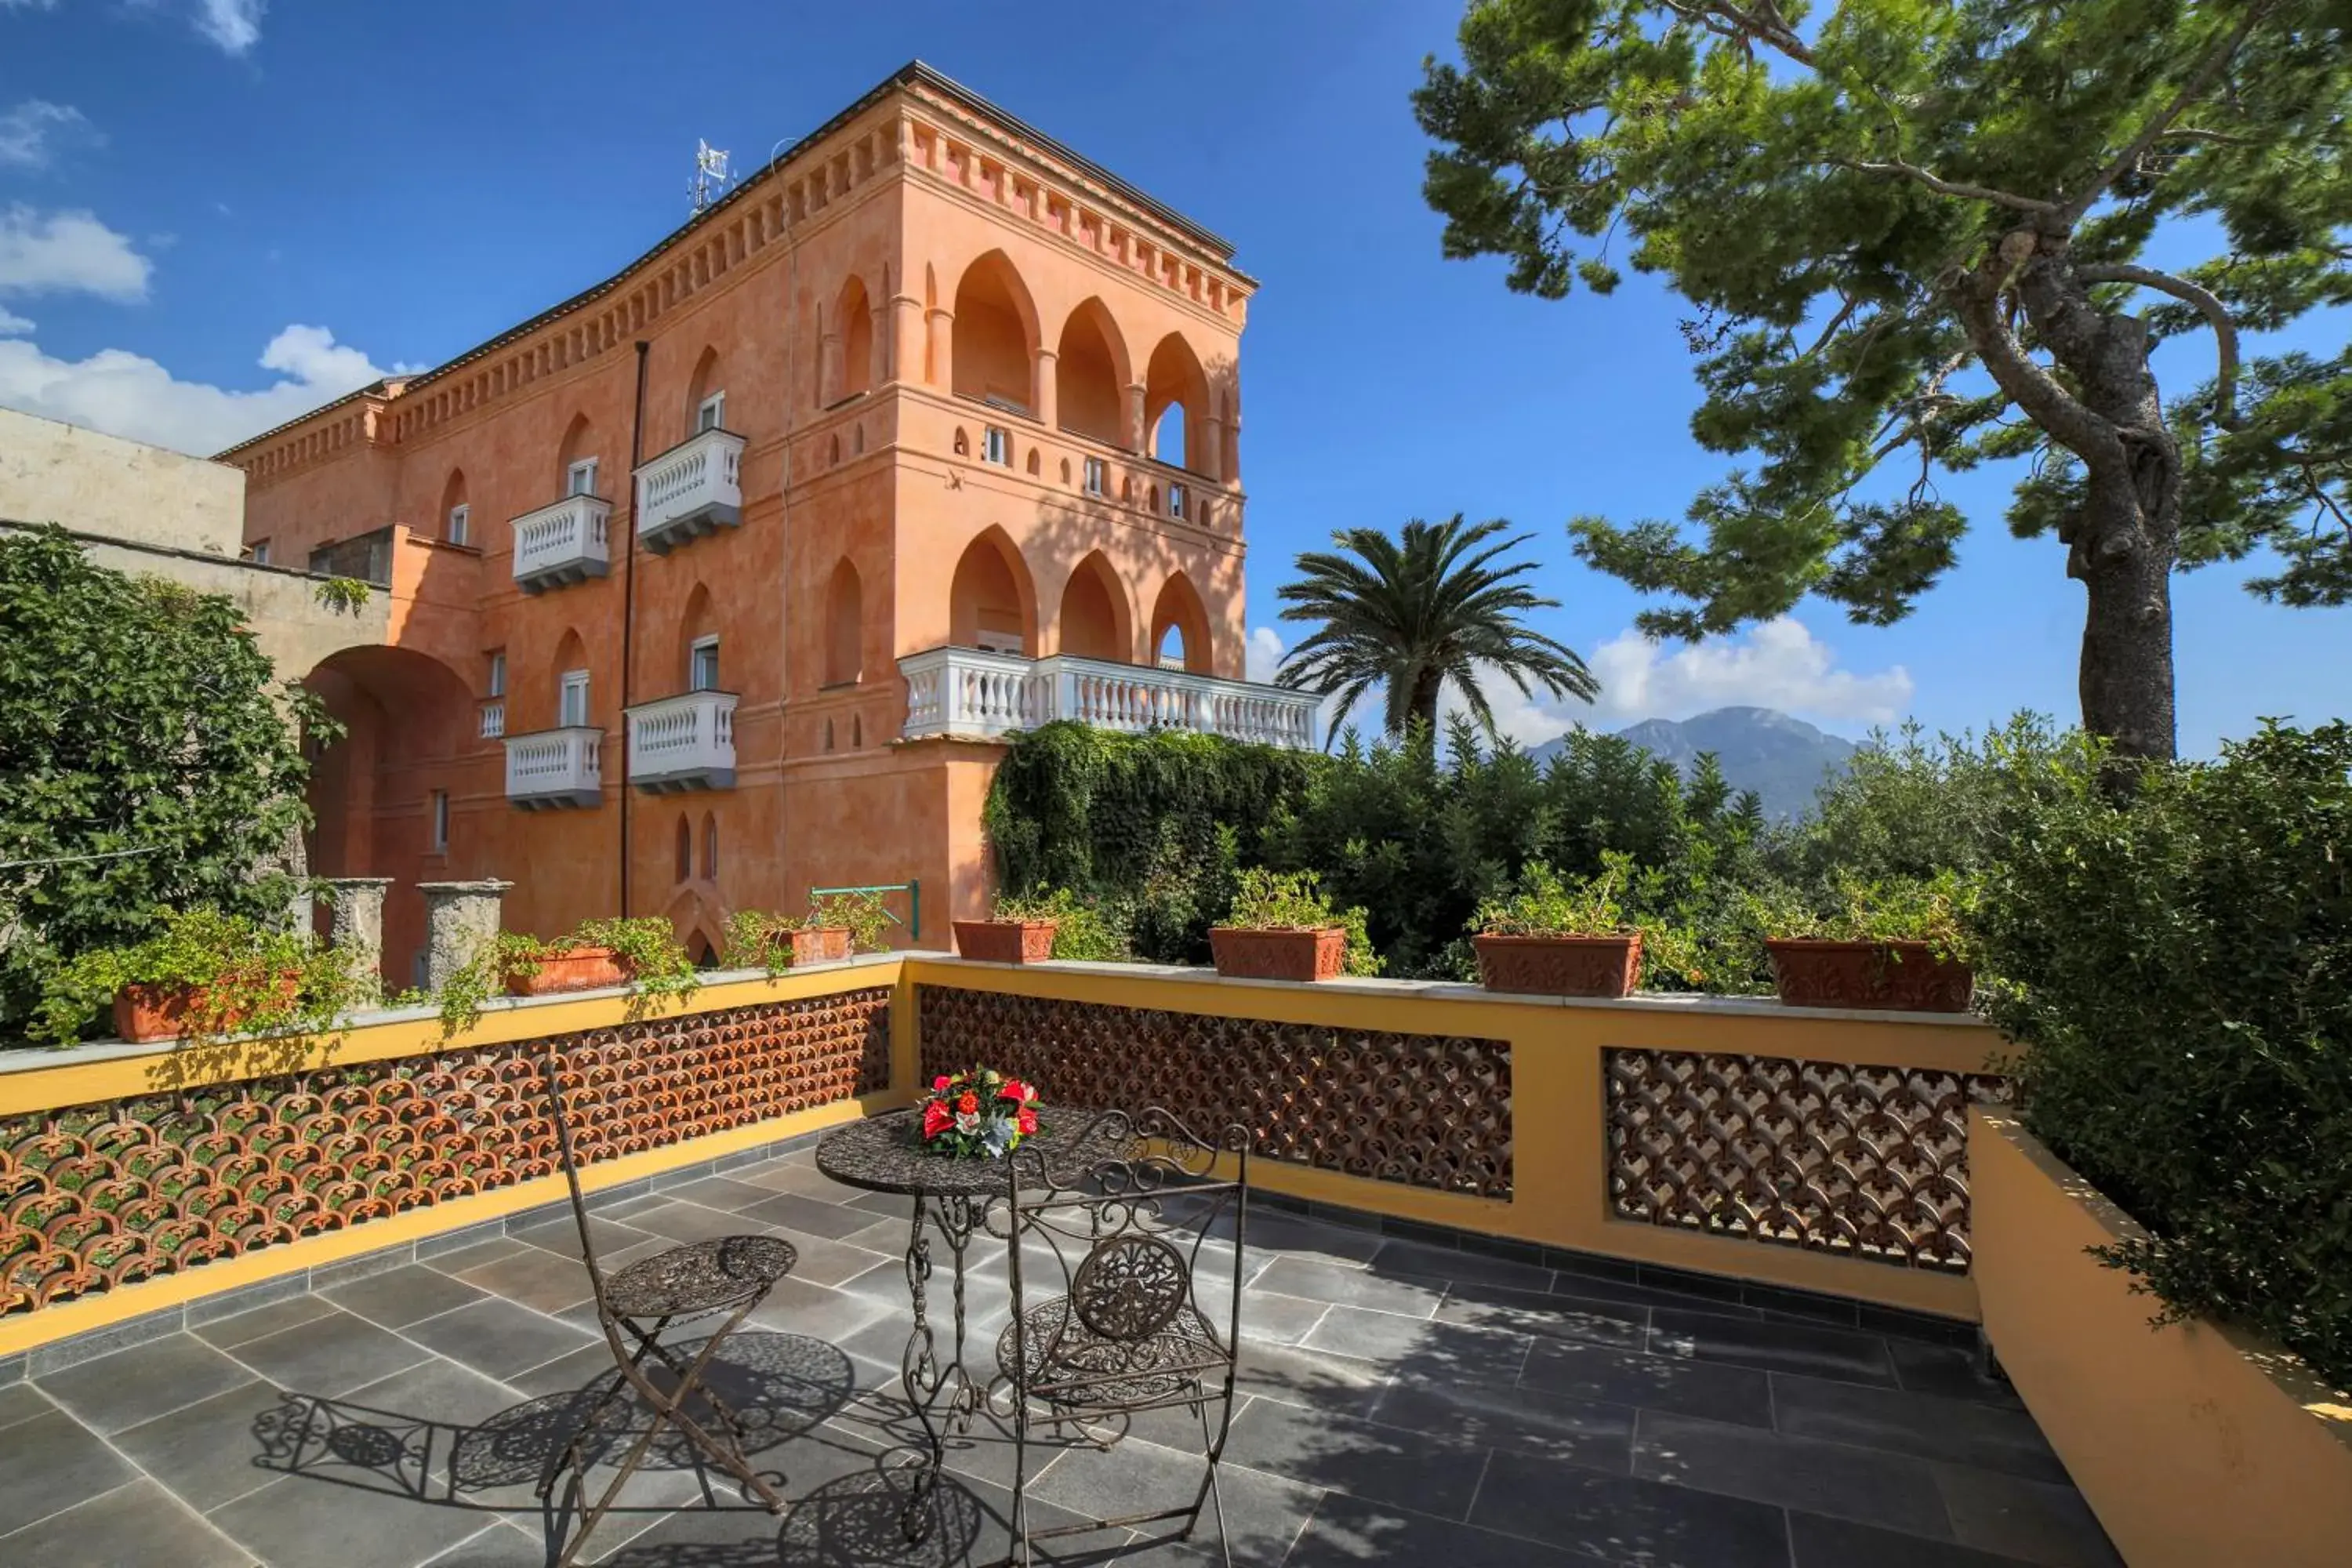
(68, 252)
(129, 394)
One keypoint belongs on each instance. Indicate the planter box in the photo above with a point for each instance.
(819, 944)
(580, 969)
(1560, 966)
(145, 1013)
(1901, 976)
(1006, 941)
(1246, 954)
(2195, 1444)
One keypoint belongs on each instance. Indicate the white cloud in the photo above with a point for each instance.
(124, 394)
(1778, 664)
(28, 130)
(234, 25)
(67, 252)
(1262, 655)
(28, 5)
(12, 324)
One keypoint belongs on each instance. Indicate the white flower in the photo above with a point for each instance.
(968, 1122)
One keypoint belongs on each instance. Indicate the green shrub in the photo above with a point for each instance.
(646, 947)
(761, 939)
(1543, 905)
(1292, 900)
(236, 969)
(2179, 969)
(1933, 910)
(1084, 931)
(865, 917)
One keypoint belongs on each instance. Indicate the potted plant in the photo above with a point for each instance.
(1556, 939)
(1897, 945)
(836, 925)
(204, 973)
(1282, 927)
(642, 952)
(1019, 931)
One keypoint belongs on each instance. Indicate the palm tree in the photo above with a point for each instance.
(1417, 612)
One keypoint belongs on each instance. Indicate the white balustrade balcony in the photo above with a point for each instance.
(555, 768)
(964, 692)
(562, 544)
(693, 489)
(683, 742)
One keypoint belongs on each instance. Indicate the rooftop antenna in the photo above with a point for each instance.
(709, 174)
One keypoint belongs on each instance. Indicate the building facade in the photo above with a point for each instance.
(720, 582)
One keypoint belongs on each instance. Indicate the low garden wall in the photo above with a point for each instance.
(1813, 1150)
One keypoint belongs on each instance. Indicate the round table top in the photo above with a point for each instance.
(881, 1154)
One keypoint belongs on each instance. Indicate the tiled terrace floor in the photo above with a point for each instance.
(1405, 1403)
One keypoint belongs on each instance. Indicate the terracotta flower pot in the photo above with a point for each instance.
(143, 1012)
(1006, 941)
(577, 969)
(1560, 965)
(819, 944)
(1901, 976)
(1313, 954)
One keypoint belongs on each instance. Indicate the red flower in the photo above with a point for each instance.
(939, 1084)
(968, 1103)
(1026, 1123)
(1013, 1089)
(937, 1119)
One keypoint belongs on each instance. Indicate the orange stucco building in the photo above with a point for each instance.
(720, 581)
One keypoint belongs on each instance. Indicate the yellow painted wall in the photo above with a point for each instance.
(2196, 1445)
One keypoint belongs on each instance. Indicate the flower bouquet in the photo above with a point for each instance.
(978, 1113)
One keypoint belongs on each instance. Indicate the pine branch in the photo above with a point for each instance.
(2208, 305)
(2200, 79)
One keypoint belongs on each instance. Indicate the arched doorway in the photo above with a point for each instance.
(1180, 628)
(1176, 406)
(992, 603)
(995, 339)
(1091, 375)
(1095, 621)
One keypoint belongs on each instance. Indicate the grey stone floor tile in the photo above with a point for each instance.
(331, 1355)
(2031, 1521)
(1263, 1516)
(1420, 1260)
(1823, 1542)
(498, 1338)
(682, 1222)
(1262, 1513)
(1520, 1420)
(885, 1234)
(403, 1296)
(1609, 1376)
(1536, 1312)
(1597, 1290)
(460, 1260)
(300, 1519)
(207, 1453)
(1343, 1286)
(562, 1235)
(1305, 1240)
(1348, 1532)
(137, 1524)
(1421, 1350)
(1773, 1345)
(502, 1545)
(22, 1401)
(728, 1194)
(139, 1383)
(231, 1332)
(823, 1261)
(1278, 1318)
(1890, 1490)
(810, 1183)
(1363, 1458)
(796, 1306)
(1960, 1432)
(813, 1216)
(53, 1463)
(1626, 1518)
(1948, 1370)
(1302, 1377)
(548, 1282)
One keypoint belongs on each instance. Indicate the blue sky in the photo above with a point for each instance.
(213, 213)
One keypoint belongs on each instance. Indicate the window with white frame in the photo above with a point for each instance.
(1176, 501)
(260, 552)
(996, 445)
(1098, 476)
(498, 672)
(710, 413)
(579, 478)
(457, 532)
(572, 701)
(702, 665)
(440, 821)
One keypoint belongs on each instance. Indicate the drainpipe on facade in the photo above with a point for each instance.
(628, 609)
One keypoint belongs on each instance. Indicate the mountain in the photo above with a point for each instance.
(1783, 760)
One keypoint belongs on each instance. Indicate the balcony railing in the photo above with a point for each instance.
(562, 544)
(494, 721)
(555, 768)
(964, 692)
(683, 742)
(691, 489)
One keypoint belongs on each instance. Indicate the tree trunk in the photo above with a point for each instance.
(1421, 706)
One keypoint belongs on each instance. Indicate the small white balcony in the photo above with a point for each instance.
(554, 768)
(562, 544)
(979, 696)
(683, 742)
(690, 490)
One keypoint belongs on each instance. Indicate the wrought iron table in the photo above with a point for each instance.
(882, 1154)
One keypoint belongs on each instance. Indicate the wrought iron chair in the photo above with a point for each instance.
(1131, 1330)
(728, 1274)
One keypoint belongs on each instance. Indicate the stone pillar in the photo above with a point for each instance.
(905, 339)
(1134, 436)
(356, 907)
(460, 919)
(829, 377)
(943, 361)
(1047, 401)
